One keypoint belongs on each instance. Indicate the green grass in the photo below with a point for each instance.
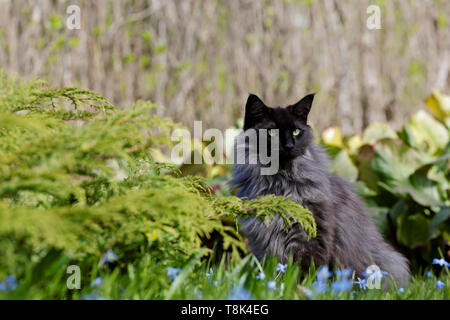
(148, 279)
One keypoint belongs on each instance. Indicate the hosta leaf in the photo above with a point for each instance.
(439, 104)
(377, 131)
(343, 166)
(426, 133)
(395, 161)
(332, 137)
(364, 162)
(438, 219)
(423, 190)
(413, 230)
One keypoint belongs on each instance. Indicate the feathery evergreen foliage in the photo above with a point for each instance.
(77, 178)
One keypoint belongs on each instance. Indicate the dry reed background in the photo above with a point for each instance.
(201, 58)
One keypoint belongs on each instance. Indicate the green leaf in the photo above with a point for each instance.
(437, 221)
(364, 162)
(425, 133)
(439, 104)
(376, 132)
(395, 161)
(343, 166)
(422, 189)
(413, 230)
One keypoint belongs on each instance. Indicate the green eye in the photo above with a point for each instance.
(296, 132)
(272, 132)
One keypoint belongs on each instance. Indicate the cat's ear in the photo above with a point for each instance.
(302, 108)
(255, 109)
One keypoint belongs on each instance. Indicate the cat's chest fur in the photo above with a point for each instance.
(304, 180)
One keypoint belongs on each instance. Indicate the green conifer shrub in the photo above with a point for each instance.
(77, 178)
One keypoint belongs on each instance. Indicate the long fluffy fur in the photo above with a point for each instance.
(346, 234)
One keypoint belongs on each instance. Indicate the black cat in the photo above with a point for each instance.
(346, 234)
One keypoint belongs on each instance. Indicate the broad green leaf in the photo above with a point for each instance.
(439, 104)
(364, 162)
(377, 131)
(438, 219)
(395, 161)
(343, 166)
(425, 133)
(332, 137)
(354, 143)
(413, 230)
(422, 189)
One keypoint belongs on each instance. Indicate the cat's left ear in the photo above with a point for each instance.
(302, 108)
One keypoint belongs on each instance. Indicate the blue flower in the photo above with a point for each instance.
(377, 274)
(440, 284)
(110, 256)
(282, 267)
(401, 290)
(172, 272)
(215, 283)
(320, 286)
(96, 282)
(362, 283)
(9, 284)
(271, 285)
(239, 293)
(346, 273)
(261, 276)
(441, 262)
(93, 296)
(429, 274)
(323, 273)
(210, 273)
(342, 285)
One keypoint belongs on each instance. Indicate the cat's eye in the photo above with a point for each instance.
(296, 132)
(272, 132)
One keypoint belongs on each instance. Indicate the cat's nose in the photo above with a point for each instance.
(289, 146)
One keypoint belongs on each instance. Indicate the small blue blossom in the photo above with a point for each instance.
(210, 273)
(362, 283)
(271, 285)
(281, 267)
(215, 283)
(323, 273)
(320, 286)
(261, 276)
(429, 274)
(239, 293)
(441, 262)
(93, 296)
(110, 256)
(401, 290)
(172, 272)
(96, 282)
(440, 284)
(346, 273)
(9, 284)
(342, 285)
(377, 274)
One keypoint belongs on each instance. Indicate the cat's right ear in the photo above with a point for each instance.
(255, 109)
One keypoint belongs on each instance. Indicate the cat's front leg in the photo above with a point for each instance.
(301, 248)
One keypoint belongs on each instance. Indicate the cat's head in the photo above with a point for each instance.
(293, 131)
